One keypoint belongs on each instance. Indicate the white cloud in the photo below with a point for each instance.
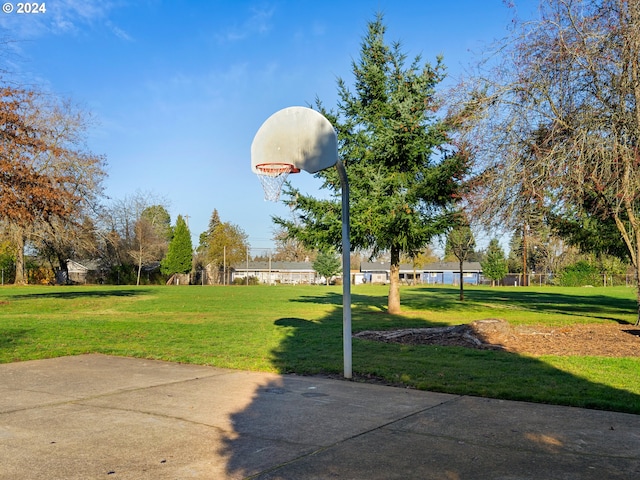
(63, 17)
(118, 32)
(259, 22)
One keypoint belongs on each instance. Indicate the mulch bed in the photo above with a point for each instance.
(606, 340)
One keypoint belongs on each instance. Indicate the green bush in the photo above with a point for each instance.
(579, 274)
(243, 281)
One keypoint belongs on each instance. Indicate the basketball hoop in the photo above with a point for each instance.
(300, 138)
(272, 176)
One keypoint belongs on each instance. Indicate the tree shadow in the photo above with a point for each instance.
(76, 294)
(313, 348)
(442, 299)
(10, 337)
(595, 306)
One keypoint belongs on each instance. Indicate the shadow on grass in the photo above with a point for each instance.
(10, 337)
(76, 294)
(315, 348)
(602, 307)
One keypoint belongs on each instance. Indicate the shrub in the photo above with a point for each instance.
(579, 274)
(243, 281)
(41, 276)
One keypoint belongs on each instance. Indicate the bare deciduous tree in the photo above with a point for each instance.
(48, 176)
(562, 117)
(136, 230)
(289, 249)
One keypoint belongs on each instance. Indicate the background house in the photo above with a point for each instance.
(448, 273)
(439, 273)
(277, 272)
(379, 272)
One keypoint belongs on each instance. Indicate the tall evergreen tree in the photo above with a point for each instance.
(403, 171)
(179, 258)
(495, 265)
(214, 221)
(514, 261)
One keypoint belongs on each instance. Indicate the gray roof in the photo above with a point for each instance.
(83, 265)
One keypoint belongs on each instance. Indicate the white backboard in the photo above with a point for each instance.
(298, 136)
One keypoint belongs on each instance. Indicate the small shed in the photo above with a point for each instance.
(80, 271)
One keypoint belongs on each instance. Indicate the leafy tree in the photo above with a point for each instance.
(160, 221)
(403, 171)
(460, 243)
(420, 259)
(179, 256)
(7, 260)
(328, 264)
(495, 264)
(591, 233)
(424, 257)
(579, 274)
(226, 245)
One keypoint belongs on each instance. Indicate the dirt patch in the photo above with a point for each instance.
(604, 340)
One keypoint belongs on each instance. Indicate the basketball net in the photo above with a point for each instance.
(272, 177)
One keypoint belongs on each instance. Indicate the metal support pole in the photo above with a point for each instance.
(346, 271)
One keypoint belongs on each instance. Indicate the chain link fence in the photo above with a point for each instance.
(548, 279)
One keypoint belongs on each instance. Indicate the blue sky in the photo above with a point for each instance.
(179, 88)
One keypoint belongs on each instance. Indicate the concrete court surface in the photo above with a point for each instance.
(103, 417)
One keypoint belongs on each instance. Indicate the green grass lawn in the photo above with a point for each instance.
(299, 329)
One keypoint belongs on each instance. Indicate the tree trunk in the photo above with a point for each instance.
(638, 295)
(139, 271)
(20, 279)
(64, 268)
(393, 303)
(637, 265)
(461, 283)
